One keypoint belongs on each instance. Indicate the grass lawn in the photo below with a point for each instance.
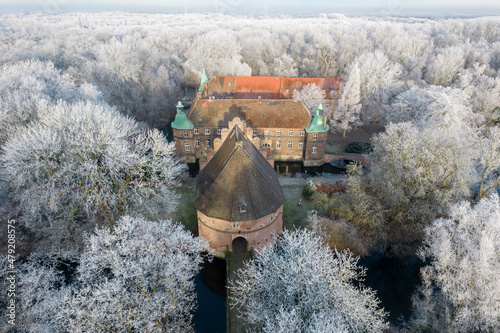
(293, 215)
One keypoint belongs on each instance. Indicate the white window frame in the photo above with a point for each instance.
(197, 143)
(207, 143)
(302, 132)
(315, 137)
(196, 130)
(187, 146)
(185, 134)
(278, 144)
(314, 149)
(207, 131)
(219, 130)
(290, 144)
(278, 132)
(254, 132)
(266, 132)
(290, 132)
(301, 145)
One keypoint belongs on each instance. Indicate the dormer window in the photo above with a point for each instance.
(243, 207)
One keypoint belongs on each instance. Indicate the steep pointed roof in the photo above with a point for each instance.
(238, 184)
(317, 125)
(204, 79)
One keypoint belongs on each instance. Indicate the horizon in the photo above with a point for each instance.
(296, 8)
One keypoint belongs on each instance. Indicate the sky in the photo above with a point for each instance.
(259, 7)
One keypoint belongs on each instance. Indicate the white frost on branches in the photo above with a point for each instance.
(461, 286)
(88, 159)
(347, 111)
(137, 277)
(297, 284)
(311, 95)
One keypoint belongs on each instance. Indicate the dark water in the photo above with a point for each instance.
(210, 317)
(395, 280)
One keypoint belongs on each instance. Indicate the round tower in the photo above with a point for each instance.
(238, 197)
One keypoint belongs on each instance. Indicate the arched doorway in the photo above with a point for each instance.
(239, 244)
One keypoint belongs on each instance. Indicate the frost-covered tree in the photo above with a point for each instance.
(137, 277)
(461, 285)
(489, 163)
(88, 160)
(284, 66)
(311, 95)
(348, 108)
(297, 284)
(377, 74)
(415, 174)
(27, 86)
(219, 52)
(444, 67)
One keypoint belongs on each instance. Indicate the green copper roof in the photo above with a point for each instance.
(181, 120)
(316, 125)
(204, 79)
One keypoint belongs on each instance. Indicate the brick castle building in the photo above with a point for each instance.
(284, 126)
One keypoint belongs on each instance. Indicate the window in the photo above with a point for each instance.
(332, 91)
(254, 132)
(324, 91)
(290, 132)
(229, 84)
(236, 225)
(339, 90)
(196, 130)
(207, 131)
(186, 135)
(301, 132)
(278, 132)
(314, 150)
(243, 207)
(278, 144)
(290, 144)
(266, 145)
(315, 137)
(196, 143)
(186, 147)
(287, 91)
(218, 131)
(207, 143)
(266, 132)
(301, 145)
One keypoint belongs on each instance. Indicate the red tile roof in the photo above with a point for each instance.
(257, 113)
(250, 87)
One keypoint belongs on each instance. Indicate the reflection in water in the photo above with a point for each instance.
(210, 317)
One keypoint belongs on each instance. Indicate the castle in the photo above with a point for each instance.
(236, 128)
(284, 126)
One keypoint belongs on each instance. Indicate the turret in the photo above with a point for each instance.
(204, 79)
(317, 132)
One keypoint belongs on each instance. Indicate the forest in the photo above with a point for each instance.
(87, 176)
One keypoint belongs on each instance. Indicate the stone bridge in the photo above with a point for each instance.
(360, 158)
